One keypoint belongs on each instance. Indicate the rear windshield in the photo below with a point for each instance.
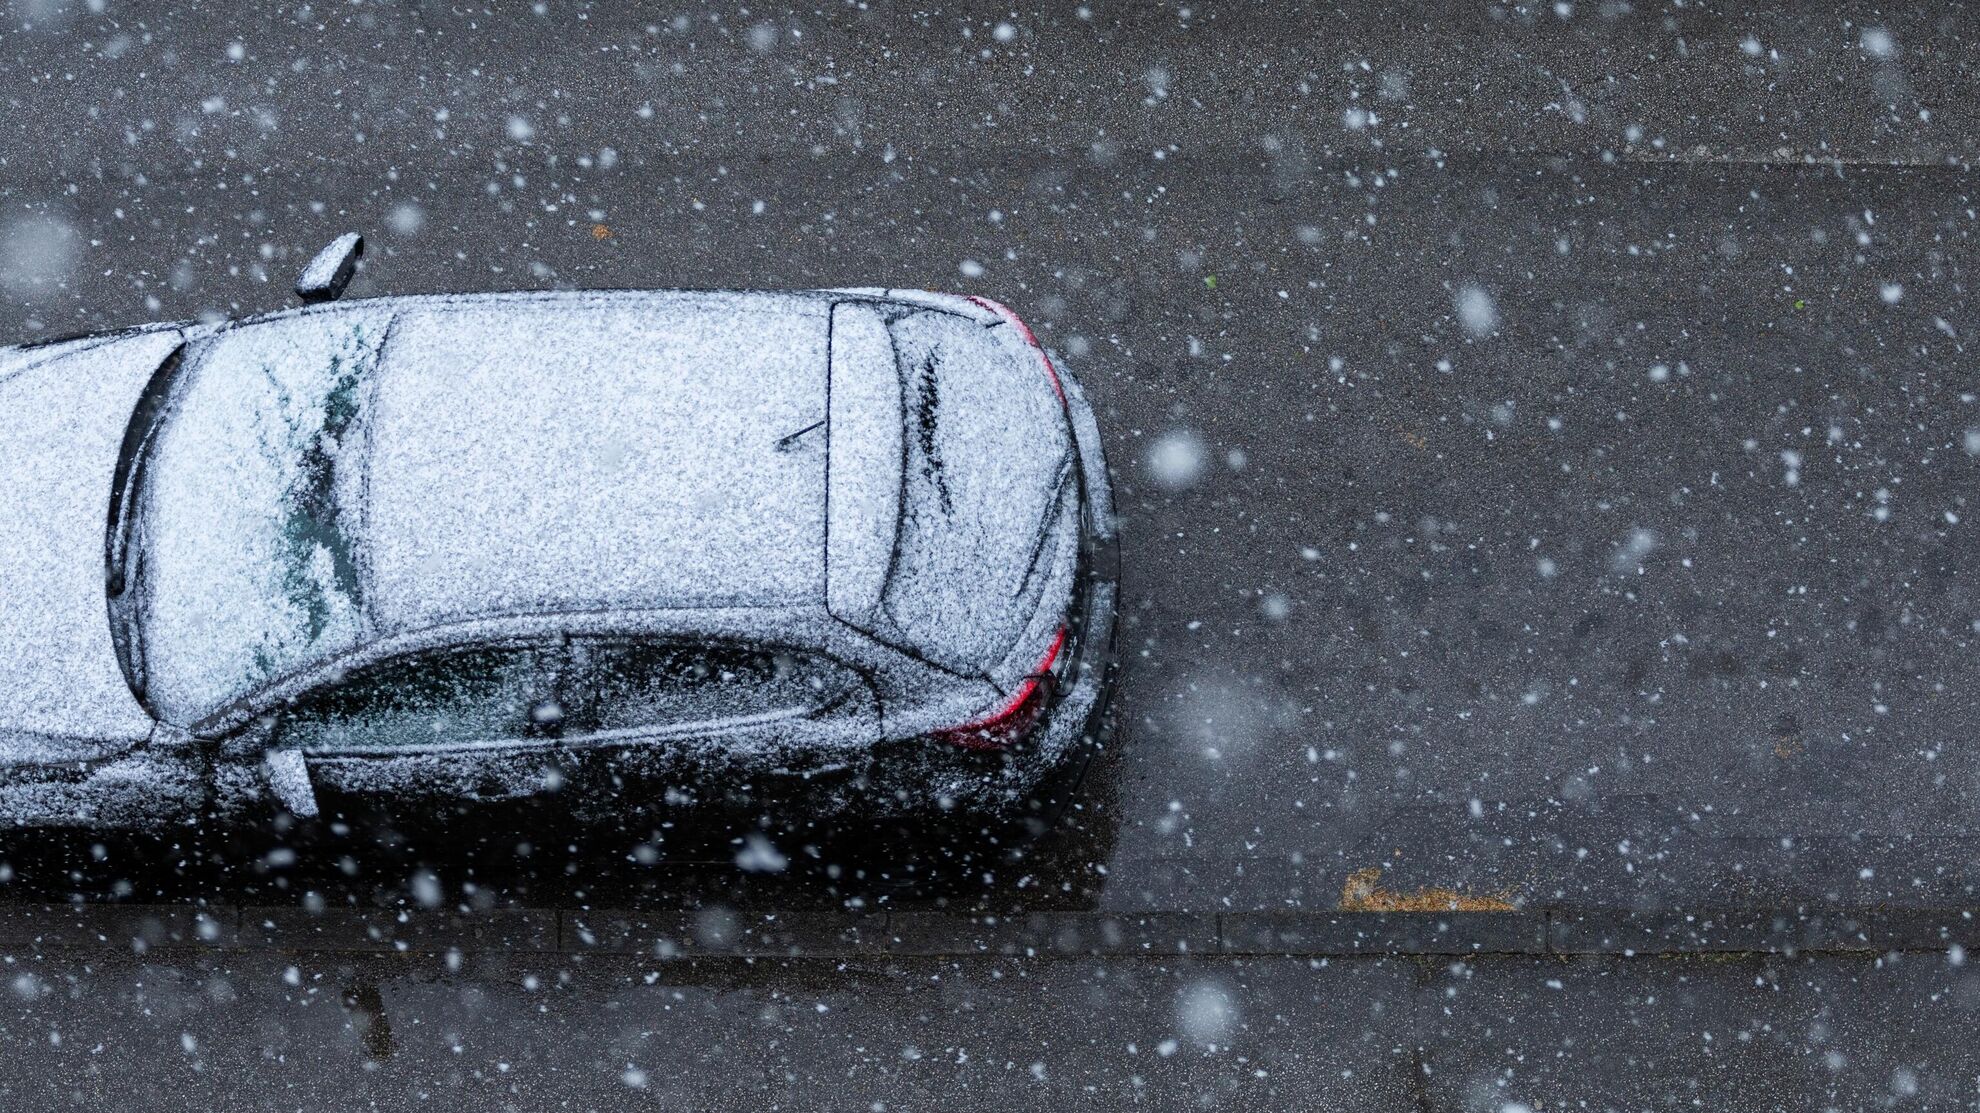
(586, 690)
(987, 475)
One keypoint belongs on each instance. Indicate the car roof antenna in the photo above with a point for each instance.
(326, 275)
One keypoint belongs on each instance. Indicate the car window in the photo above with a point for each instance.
(590, 688)
(243, 563)
(456, 698)
(611, 687)
(987, 457)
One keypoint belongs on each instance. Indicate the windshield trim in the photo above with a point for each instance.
(154, 405)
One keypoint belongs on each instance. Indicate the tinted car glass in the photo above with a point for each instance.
(457, 698)
(630, 687)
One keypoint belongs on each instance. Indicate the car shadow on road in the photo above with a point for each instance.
(539, 856)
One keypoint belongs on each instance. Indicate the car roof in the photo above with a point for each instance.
(535, 454)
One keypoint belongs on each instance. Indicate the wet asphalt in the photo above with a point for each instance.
(1542, 435)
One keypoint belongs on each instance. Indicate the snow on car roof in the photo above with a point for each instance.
(651, 453)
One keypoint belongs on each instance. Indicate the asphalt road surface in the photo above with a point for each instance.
(1544, 437)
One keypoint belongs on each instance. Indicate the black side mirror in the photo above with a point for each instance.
(326, 275)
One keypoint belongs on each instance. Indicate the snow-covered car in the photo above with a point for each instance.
(841, 548)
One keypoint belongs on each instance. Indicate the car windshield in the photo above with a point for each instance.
(239, 562)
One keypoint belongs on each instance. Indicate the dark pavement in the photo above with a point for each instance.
(522, 1032)
(1543, 443)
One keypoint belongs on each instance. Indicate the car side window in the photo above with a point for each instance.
(615, 687)
(458, 697)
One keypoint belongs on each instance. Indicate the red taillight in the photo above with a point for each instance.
(1012, 721)
(1024, 330)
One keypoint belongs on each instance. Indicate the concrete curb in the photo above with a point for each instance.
(1817, 931)
(725, 933)
(1049, 934)
(1375, 933)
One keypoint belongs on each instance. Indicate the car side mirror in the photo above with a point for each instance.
(280, 769)
(284, 770)
(326, 275)
(287, 772)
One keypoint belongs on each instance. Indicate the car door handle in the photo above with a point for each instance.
(288, 778)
